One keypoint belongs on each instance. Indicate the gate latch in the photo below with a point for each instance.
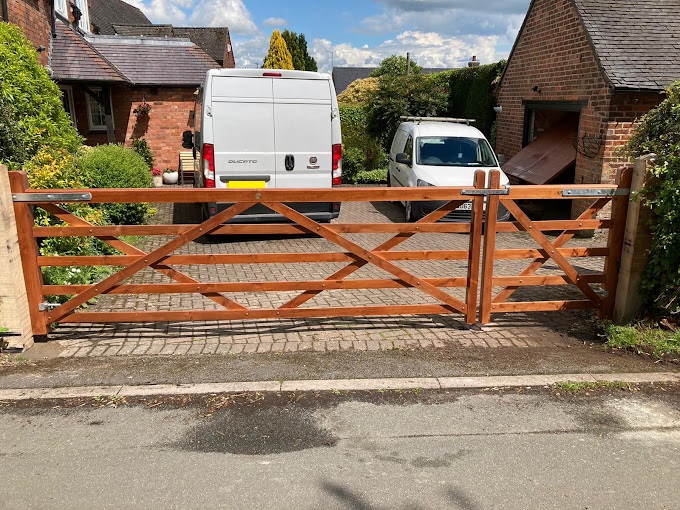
(51, 197)
(614, 192)
(486, 192)
(46, 306)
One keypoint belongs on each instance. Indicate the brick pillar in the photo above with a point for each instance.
(14, 312)
(636, 243)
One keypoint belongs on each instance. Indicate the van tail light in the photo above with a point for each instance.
(208, 154)
(337, 164)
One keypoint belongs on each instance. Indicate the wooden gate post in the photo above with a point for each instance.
(636, 241)
(28, 251)
(14, 308)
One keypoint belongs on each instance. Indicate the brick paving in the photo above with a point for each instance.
(337, 334)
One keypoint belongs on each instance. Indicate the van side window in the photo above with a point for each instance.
(398, 143)
(408, 149)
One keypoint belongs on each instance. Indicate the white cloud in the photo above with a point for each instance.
(224, 13)
(211, 13)
(275, 22)
(428, 49)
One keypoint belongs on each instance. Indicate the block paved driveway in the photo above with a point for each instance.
(354, 333)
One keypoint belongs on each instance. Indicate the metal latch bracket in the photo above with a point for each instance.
(51, 197)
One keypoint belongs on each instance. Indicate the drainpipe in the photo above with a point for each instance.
(5, 11)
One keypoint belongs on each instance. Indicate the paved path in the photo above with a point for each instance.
(346, 334)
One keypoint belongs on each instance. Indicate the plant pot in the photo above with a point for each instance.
(157, 180)
(170, 177)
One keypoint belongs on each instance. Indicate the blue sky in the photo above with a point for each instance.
(437, 33)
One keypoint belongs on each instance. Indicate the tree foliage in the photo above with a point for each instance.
(361, 151)
(659, 133)
(397, 96)
(471, 94)
(395, 66)
(278, 56)
(358, 91)
(297, 45)
(33, 116)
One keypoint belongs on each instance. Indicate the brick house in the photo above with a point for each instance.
(579, 77)
(104, 78)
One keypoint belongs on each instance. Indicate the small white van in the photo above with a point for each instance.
(432, 151)
(268, 128)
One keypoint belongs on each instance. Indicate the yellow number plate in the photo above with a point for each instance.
(246, 184)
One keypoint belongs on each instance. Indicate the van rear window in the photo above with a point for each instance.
(454, 151)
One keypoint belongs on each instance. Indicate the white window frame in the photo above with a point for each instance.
(90, 102)
(84, 22)
(67, 92)
(61, 7)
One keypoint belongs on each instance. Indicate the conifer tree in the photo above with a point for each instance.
(297, 45)
(279, 56)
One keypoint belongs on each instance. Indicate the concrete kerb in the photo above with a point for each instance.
(433, 383)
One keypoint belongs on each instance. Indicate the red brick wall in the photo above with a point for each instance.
(228, 60)
(171, 114)
(33, 17)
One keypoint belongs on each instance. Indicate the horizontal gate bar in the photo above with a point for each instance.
(282, 313)
(246, 258)
(423, 193)
(528, 281)
(540, 306)
(253, 287)
(519, 253)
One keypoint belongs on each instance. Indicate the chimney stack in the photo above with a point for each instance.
(474, 62)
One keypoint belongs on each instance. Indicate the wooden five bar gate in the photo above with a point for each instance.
(479, 303)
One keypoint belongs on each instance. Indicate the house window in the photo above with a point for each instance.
(84, 22)
(96, 117)
(60, 7)
(67, 102)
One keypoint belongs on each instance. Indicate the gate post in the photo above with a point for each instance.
(28, 253)
(14, 308)
(636, 241)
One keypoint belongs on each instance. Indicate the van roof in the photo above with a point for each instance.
(425, 128)
(257, 73)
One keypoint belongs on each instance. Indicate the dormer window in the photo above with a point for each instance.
(61, 7)
(84, 21)
(78, 12)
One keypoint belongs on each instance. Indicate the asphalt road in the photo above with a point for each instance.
(417, 450)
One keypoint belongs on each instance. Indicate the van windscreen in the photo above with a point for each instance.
(454, 151)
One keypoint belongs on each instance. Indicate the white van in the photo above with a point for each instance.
(267, 128)
(432, 151)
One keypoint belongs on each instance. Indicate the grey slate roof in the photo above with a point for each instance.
(343, 76)
(73, 59)
(212, 40)
(105, 13)
(636, 41)
(149, 61)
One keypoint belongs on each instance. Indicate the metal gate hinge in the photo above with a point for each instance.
(47, 306)
(485, 192)
(618, 192)
(51, 197)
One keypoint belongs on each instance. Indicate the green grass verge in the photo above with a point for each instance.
(578, 387)
(644, 339)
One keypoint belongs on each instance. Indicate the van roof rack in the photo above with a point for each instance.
(438, 119)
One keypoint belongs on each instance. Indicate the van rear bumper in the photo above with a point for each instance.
(318, 211)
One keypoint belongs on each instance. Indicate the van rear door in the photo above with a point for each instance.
(243, 127)
(302, 133)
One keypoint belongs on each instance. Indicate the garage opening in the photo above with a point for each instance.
(549, 155)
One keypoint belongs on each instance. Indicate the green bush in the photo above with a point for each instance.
(115, 166)
(659, 133)
(413, 95)
(35, 117)
(471, 94)
(378, 176)
(141, 147)
(361, 151)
